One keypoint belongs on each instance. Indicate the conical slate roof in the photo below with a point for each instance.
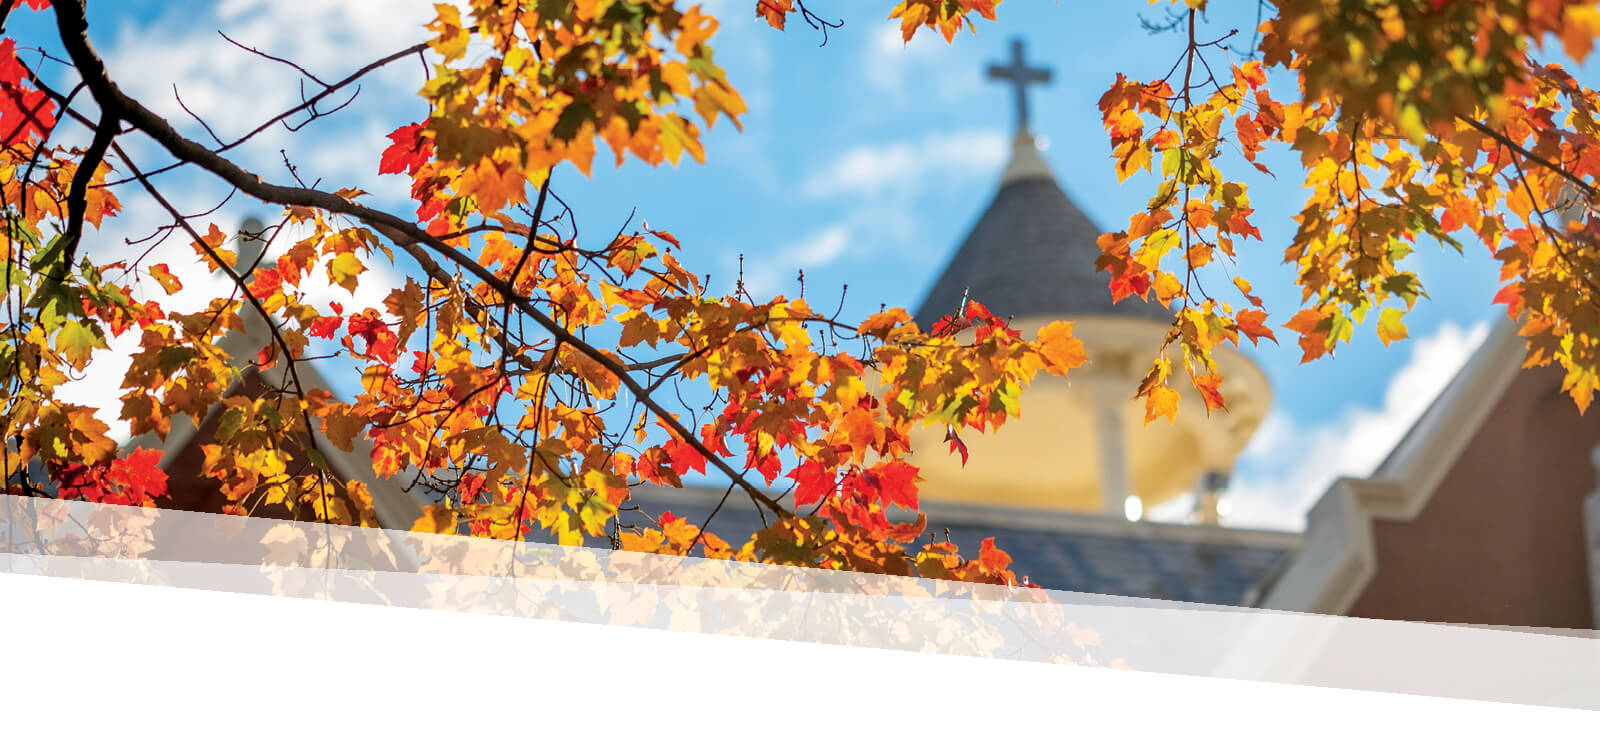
(1031, 254)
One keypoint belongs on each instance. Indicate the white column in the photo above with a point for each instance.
(1208, 497)
(1114, 487)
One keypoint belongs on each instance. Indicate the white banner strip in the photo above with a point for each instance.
(384, 567)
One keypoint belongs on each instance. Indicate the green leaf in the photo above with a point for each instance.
(77, 341)
(1358, 312)
(1170, 160)
(48, 261)
(1008, 397)
(15, 277)
(571, 119)
(229, 424)
(173, 357)
(1340, 328)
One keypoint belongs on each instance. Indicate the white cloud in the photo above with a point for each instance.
(896, 69)
(873, 170)
(100, 384)
(766, 275)
(1289, 465)
(233, 90)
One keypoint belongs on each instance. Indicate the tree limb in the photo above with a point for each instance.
(73, 26)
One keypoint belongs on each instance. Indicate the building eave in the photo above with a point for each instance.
(1337, 558)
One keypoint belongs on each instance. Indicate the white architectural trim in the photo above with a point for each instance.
(1337, 558)
(1422, 459)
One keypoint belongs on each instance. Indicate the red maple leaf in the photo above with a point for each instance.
(713, 440)
(1129, 284)
(325, 327)
(956, 444)
(1511, 296)
(23, 112)
(265, 281)
(987, 324)
(896, 483)
(948, 325)
(381, 340)
(684, 457)
(132, 480)
(410, 151)
(812, 483)
(991, 558)
(10, 67)
(769, 465)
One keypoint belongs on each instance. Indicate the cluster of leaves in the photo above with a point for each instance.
(524, 376)
(480, 381)
(556, 77)
(1415, 121)
(945, 16)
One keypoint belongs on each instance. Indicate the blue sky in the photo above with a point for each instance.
(864, 162)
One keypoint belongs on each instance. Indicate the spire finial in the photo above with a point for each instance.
(1020, 76)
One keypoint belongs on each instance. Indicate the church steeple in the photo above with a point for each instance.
(1032, 253)
(1020, 76)
(1083, 446)
(1026, 163)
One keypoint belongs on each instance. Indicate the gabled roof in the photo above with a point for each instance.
(1032, 254)
(395, 507)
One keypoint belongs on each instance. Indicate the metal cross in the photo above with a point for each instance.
(1020, 76)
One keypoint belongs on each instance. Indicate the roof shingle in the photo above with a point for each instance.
(1031, 254)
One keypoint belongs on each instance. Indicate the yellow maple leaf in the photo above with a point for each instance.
(1161, 400)
(436, 520)
(1390, 327)
(1062, 352)
(344, 269)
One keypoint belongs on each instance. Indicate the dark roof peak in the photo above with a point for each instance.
(1031, 254)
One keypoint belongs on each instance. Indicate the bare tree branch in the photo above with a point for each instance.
(73, 26)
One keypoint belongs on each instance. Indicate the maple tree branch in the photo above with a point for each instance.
(255, 303)
(698, 535)
(298, 68)
(308, 104)
(74, 30)
(516, 272)
(1579, 270)
(78, 194)
(186, 110)
(1506, 141)
(74, 35)
(647, 365)
(815, 21)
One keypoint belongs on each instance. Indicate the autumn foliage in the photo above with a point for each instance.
(1425, 121)
(524, 375)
